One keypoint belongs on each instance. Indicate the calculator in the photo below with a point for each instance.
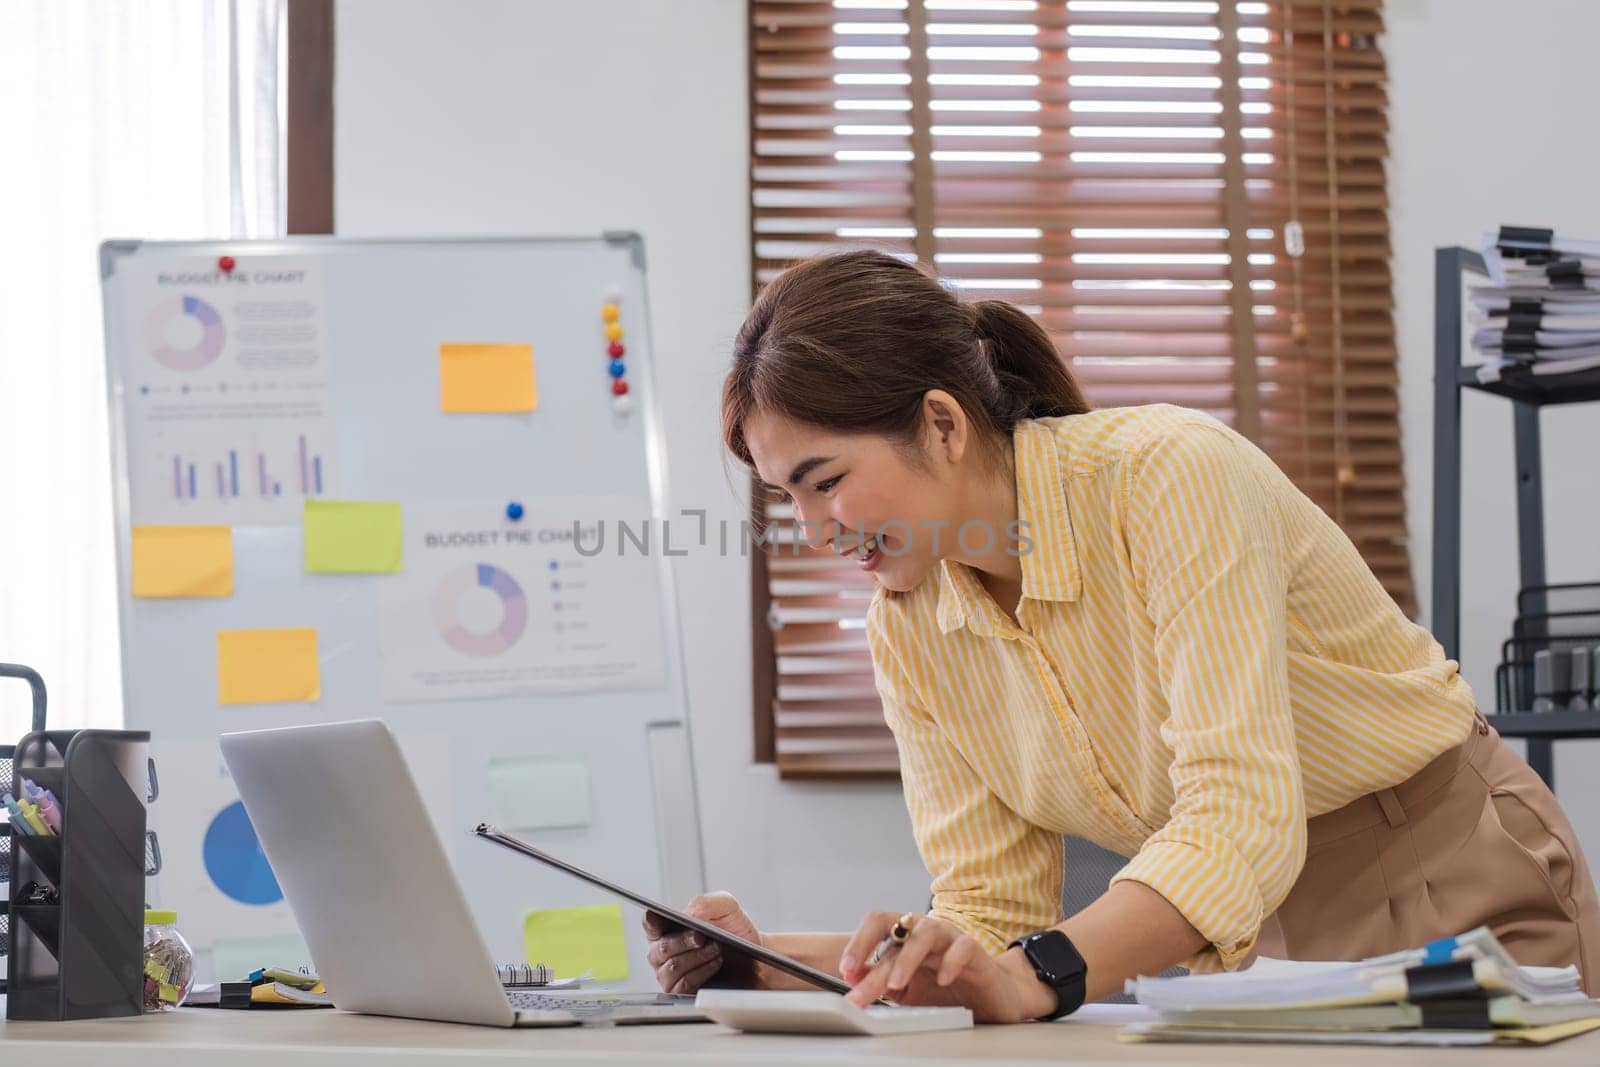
(772, 1011)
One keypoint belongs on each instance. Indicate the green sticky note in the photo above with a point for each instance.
(352, 537)
(540, 792)
(571, 941)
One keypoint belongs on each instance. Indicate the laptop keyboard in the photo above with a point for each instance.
(523, 1000)
(589, 1008)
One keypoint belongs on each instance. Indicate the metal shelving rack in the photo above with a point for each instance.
(1527, 395)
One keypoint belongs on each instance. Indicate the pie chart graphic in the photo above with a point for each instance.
(162, 325)
(234, 859)
(447, 610)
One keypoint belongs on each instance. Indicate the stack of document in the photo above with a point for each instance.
(1541, 315)
(1462, 990)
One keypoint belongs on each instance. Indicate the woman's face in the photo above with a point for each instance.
(859, 494)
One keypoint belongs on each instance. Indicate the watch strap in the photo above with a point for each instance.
(1071, 989)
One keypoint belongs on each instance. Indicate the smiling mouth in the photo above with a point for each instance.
(867, 555)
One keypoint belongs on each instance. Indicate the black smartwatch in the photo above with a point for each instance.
(1059, 965)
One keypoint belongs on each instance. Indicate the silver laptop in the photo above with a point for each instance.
(351, 843)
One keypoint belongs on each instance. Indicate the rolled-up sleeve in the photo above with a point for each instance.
(994, 875)
(1206, 547)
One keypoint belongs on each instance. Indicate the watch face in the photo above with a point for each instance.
(1053, 954)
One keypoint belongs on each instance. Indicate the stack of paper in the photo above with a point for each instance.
(1462, 990)
(1542, 314)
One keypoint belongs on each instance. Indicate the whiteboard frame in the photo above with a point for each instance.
(681, 877)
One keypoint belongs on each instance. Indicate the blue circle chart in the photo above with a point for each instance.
(514, 610)
(234, 859)
(212, 333)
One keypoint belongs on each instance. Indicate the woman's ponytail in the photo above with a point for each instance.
(1032, 374)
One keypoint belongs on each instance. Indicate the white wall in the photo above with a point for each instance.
(1490, 123)
(511, 117)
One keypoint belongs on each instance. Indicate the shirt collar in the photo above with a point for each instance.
(1050, 568)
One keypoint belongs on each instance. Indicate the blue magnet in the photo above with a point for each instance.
(513, 511)
(617, 368)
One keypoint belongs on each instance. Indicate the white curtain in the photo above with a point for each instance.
(118, 118)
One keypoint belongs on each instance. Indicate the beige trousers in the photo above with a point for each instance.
(1475, 838)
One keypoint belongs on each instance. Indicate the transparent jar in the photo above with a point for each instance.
(168, 962)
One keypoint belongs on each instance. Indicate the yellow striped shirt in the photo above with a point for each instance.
(1203, 662)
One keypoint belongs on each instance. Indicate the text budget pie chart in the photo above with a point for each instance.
(234, 859)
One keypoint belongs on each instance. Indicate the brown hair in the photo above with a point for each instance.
(852, 342)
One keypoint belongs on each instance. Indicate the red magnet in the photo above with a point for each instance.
(616, 350)
(619, 387)
(225, 263)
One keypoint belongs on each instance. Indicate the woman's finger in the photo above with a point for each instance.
(673, 970)
(697, 977)
(684, 962)
(927, 937)
(663, 950)
(716, 907)
(873, 929)
(956, 959)
(874, 985)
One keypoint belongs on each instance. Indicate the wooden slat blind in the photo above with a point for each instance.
(1128, 171)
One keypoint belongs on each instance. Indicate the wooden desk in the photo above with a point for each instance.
(202, 1037)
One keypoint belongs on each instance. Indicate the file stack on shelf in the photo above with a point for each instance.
(1462, 990)
(1541, 315)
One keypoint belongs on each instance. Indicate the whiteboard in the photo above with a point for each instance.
(386, 307)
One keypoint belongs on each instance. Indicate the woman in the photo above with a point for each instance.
(1129, 626)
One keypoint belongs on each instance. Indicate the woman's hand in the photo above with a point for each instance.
(685, 960)
(938, 964)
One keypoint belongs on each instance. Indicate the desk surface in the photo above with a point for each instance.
(195, 1036)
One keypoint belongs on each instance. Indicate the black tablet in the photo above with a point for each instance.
(671, 915)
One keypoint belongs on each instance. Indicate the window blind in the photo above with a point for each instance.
(1188, 194)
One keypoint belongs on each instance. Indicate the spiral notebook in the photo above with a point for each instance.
(534, 976)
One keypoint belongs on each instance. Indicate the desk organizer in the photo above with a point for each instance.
(83, 956)
(36, 684)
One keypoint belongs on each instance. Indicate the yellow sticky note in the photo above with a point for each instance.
(486, 378)
(352, 537)
(182, 561)
(572, 940)
(267, 666)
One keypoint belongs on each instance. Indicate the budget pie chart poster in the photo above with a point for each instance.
(552, 602)
(225, 396)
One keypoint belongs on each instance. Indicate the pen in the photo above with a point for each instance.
(898, 933)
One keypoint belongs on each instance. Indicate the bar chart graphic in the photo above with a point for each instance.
(249, 471)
